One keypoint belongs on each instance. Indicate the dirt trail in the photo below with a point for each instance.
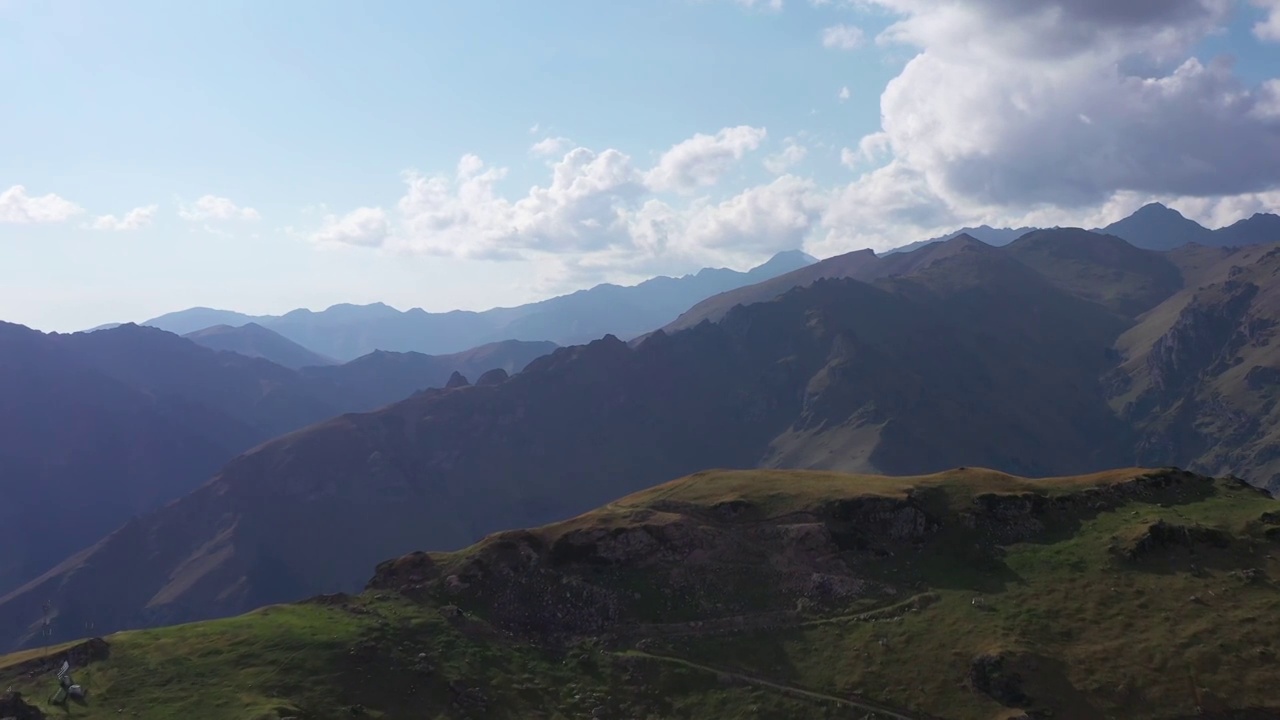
(780, 620)
(856, 703)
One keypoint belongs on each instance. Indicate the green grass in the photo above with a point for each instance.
(240, 666)
(1094, 633)
(296, 661)
(1107, 638)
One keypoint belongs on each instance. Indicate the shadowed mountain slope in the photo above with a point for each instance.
(81, 451)
(1093, 267)
(1102, 268)
(953, 365)
(101, 427)
(253, 340)
(1201, 373)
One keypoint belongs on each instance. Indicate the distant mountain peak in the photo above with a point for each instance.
(1156, 208)
(1157, 227)
(964, 238)
(457, 380)
(783, 262)
(794, 255)
(256, 341)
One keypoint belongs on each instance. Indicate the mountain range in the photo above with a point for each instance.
(104, 426)
(347, 331)
(1153, 227)
(1063, 352)
(344, 332)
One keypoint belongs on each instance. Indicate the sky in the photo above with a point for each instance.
(261, 156)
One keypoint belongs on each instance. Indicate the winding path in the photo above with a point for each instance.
(856, 703)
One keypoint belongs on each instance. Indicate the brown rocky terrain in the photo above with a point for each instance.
(715, 546)
(1201, 372)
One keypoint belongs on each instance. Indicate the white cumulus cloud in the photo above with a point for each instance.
(16, 206)
(703, 159)
(1010, 110)
(365, 227)
(1269, 27)
(792, 154)
(212, 207)
(1005, 112)
(596, 213)
(135, 219)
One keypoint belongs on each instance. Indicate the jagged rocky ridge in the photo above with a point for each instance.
(1203, 391)
(657, 561)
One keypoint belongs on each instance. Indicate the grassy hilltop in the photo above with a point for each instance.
(766, 594)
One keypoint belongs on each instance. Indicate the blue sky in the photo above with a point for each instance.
(688, 133)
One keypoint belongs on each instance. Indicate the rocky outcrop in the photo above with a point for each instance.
(1207, 333)
(877, 522)
(729, 557)
(79, 655)
(13, 707)
(496, 376)
(1008, 518)
(405, 574)
(993, 675)
(1261, 378)
(456, 380)
(1161, 536)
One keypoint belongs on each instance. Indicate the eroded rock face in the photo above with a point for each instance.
(716, 562)
(871, 521)
(13, 706)
(1205, 333)
(405, 574)
(1161, 536)
(669, 560)
(995, 677)
(1015, 518)
(80, 655)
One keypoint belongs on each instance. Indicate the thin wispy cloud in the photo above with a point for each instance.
(212, 207)
(842, 37)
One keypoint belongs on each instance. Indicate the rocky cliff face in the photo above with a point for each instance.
(1206, 337)
(1203, 392)
(668, 561)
